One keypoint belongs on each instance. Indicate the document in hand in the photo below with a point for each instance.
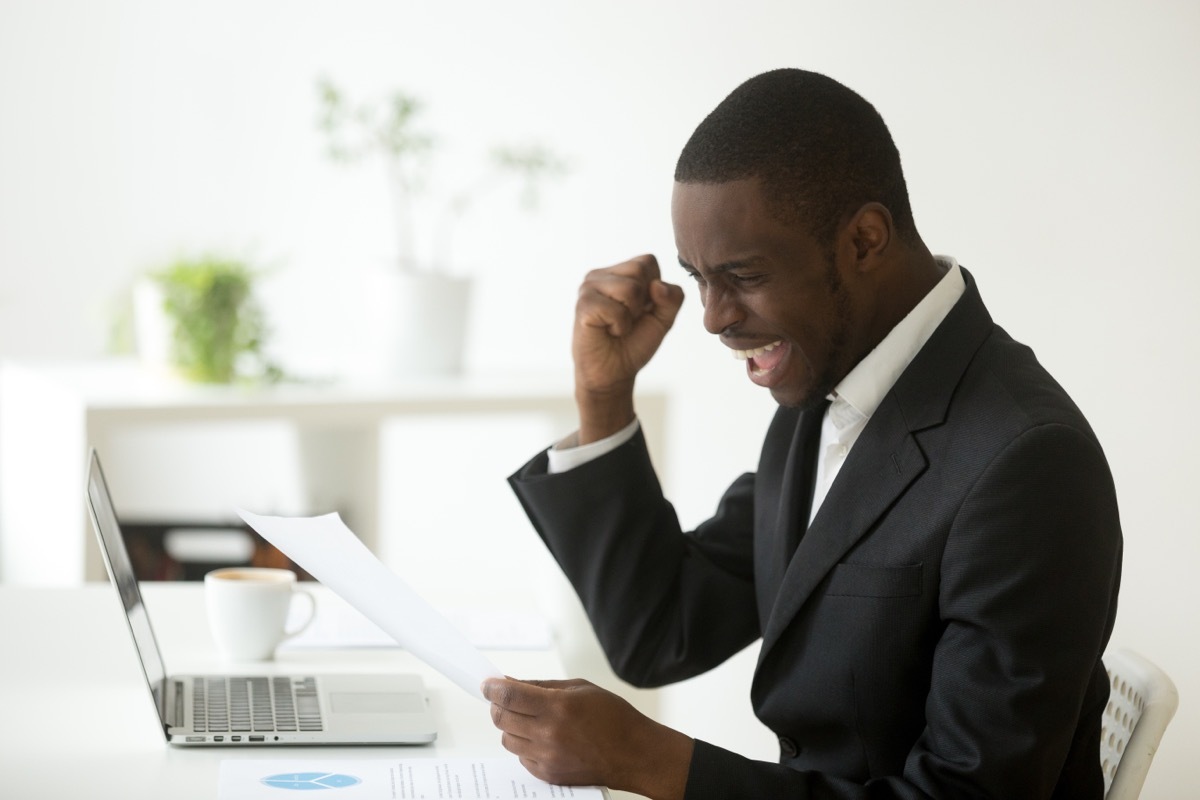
(332, 554)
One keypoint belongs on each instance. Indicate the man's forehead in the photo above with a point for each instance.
(737, 209)
(704, 214)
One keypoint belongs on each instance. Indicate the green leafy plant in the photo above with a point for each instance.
(389, 129)
(218, 326)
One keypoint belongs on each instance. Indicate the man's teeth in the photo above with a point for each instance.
(742, 355)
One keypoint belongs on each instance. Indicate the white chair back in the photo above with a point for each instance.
(1141, 703)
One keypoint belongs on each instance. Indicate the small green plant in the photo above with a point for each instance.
(388, 129)
(218, 327)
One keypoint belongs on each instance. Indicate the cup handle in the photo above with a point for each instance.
(312, 613)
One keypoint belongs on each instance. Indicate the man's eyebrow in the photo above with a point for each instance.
(740, 263)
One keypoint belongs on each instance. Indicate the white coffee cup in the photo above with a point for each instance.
(248, 610)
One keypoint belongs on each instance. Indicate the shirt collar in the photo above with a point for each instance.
(857, 396)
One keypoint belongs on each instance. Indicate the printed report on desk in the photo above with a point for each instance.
(388, 779)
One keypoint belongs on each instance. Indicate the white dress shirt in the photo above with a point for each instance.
(853, 401)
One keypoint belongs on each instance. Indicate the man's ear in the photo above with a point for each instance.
(871, 231)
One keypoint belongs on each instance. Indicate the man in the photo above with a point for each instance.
(930, 547)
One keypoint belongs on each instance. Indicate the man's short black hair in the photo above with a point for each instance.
(820, 149)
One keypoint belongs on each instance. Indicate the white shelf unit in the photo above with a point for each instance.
(51, 413)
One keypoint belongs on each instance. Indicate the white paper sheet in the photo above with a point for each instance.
(390, 779)
(339, 624)
(332, 554)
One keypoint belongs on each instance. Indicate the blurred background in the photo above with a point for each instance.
(1050, 147)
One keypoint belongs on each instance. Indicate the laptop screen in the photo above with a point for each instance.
(120, 569)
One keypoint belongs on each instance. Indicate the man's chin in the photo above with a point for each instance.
(793, 399)
(803, 397)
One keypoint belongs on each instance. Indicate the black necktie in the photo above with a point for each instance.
(806, 470)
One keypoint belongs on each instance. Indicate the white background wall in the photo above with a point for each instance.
(1051, 147)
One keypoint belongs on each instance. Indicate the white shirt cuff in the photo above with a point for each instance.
(567, 454)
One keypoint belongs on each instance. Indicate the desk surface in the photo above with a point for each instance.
(68, 656)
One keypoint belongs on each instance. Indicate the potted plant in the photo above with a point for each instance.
(432, 300)
(200, 316)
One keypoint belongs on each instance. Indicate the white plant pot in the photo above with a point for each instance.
(152, 327)
(423, 316)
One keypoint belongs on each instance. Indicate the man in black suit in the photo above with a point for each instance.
(929, 549)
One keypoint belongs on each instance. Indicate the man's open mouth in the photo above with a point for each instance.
(762, 359)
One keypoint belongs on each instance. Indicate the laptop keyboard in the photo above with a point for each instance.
(234, 704)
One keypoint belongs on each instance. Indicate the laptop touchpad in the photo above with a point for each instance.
(375, 702)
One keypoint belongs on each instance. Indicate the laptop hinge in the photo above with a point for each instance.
(173, 704)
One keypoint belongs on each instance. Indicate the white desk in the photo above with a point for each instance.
(79, 721)
(50, 414)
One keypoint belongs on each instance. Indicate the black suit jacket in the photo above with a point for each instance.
(939, 629)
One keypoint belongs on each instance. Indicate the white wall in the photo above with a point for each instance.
(1049, 146)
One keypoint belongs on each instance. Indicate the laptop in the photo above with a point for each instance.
(258, 710)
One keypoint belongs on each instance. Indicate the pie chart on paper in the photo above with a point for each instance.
(311, 781)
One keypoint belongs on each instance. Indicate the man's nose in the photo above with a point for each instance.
(721, 310)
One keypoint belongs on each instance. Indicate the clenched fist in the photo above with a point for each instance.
(621, 317)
